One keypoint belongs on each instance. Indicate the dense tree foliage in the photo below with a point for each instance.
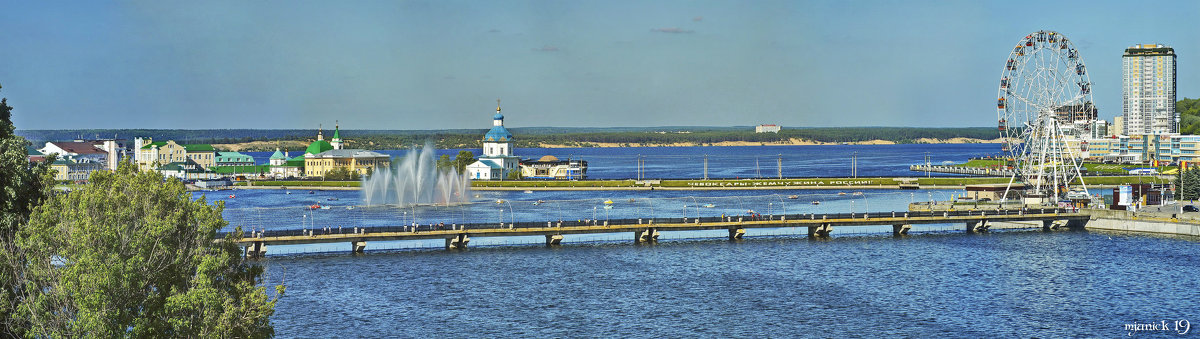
(1188, 185)
(462, 160)
(1189, 115)
(342, 173)
(128, 255)
(132, 255)
(23, 186)
(459, 164)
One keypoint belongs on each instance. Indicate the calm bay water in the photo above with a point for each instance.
(938, 282)
(747, 161)
(1005, 284)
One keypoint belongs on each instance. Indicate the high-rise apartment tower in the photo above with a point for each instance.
(1148, 89)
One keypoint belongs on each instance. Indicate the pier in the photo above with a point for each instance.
(647, 230)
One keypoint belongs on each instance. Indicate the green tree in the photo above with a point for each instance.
(444, 163)
(1187, 185)
(462, 160)
(1189, 115)
(23, 186)
(341, 173)
(515, 175)
(130, 255)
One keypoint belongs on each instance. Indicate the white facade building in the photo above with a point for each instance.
(498, 159)
(767, 128)
(103, 152)
(1148, 89)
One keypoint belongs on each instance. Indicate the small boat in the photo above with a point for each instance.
(288, 192)
(499, 201)
(608, 202)
(709, 205)
(325, 207)
(332, 199)
(632, 200)
(858, 193)
(608, 207)
(314, 206)
(528, 191)
(231, 196)
(539, 202)
(349, 207)
(841, 193)
(793, 197)
(816, 202)
(310, 192)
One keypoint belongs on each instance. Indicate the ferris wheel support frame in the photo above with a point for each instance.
(1036, 87)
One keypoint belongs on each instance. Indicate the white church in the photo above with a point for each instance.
(498, 159)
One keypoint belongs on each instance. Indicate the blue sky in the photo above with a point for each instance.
(442, 64)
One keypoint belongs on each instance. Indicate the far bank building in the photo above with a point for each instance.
(498, 159)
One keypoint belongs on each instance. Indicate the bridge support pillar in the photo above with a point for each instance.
(820, 231)
(358, 246)
(1048, 225)
(646, 235)
(981, 226)
(900, 230)
(554, 239)
(457, 242)
(256, 249)
(736, 233)
(1076, 224)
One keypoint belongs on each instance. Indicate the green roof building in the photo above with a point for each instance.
(316, 147)
(234, 159)
(199, 148)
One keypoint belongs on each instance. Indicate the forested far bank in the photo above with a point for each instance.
(295, 140)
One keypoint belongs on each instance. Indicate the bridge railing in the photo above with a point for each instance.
(634, 221)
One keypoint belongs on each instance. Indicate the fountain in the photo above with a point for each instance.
(416, 180)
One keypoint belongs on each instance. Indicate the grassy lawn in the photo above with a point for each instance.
(541, 183)
(1120, 169)
(1133, 179)
(981, 163)
(780, 182)
(303, 183)
(1092, 167)
(962, 181)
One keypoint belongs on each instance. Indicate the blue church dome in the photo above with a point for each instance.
(498, 116)
(498, 133)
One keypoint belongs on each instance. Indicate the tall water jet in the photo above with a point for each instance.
(415, 179)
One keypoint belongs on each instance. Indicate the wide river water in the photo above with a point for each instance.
(938, 282)
(746, 161)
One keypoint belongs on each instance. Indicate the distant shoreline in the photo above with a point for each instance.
(789, 142)
(261, 146)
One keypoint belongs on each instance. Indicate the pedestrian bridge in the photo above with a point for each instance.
(647, 229)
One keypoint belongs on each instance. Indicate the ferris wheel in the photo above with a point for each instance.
(1045, 112)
